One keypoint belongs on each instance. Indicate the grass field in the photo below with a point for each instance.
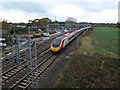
(95, 63)
(106, 38)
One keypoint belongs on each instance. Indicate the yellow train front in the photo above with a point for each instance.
(58, 44)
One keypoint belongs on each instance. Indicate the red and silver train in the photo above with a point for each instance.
(60, 42)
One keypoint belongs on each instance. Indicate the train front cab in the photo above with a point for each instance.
(57, 45)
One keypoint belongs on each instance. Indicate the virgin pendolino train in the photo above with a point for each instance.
(61, 42)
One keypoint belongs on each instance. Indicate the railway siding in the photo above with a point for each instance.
(19, 71)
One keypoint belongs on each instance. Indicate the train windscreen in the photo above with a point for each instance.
(57, 42)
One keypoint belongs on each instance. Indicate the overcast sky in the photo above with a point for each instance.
(97, 11)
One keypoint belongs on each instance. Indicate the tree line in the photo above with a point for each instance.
(118, 24)
(36, 23)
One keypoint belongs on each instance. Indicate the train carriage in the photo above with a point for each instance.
(59, 43)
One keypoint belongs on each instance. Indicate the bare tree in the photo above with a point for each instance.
(71, 19)
(70, 22)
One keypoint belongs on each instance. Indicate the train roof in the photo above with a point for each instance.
(66, 35)
(61, 37)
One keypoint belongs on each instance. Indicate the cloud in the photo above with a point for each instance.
(16, 15)
(59, 1)
(67, 10)
(87, 10)
(24, 6)
(96, 6)
(22, 12)
(108, 16)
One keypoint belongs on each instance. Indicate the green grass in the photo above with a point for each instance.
(106, 38)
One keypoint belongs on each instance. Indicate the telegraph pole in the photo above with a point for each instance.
(30, 51)
(18, 50)
(31, 65)
(15, 43)
(36, 82)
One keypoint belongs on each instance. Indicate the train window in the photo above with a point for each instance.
(57, 42)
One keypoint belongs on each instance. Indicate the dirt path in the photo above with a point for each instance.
(87, 44)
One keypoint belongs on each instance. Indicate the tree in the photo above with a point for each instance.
(6, 26)
(55, 25)
(118, 24)
(71, 19)
(70, 22)
(43, 22)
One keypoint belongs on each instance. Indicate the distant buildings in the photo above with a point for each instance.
(56, 25)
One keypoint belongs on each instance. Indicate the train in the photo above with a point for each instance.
(62, 41)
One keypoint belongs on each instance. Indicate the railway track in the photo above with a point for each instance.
(26, 81)
(6, 65)
(11, 62)
(14, 71)
(11, 59)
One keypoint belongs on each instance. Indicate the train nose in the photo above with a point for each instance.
(54, 49)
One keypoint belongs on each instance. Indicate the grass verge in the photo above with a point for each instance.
(93, 65)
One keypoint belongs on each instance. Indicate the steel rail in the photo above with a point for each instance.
(44, 69)
(19, 68)
(31, 71)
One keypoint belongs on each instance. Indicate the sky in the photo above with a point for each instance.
(96, 11)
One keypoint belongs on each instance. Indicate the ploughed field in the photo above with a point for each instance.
(95, 63)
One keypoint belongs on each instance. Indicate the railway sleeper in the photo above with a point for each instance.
(16, 70)
(29, 78)
(7, 75)
(11, 73)
(36, 72)
(26, 81)
(34, 75)
(20, 86)
(4, 77)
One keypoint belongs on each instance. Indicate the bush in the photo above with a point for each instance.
(52, 32)
(118, 25)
